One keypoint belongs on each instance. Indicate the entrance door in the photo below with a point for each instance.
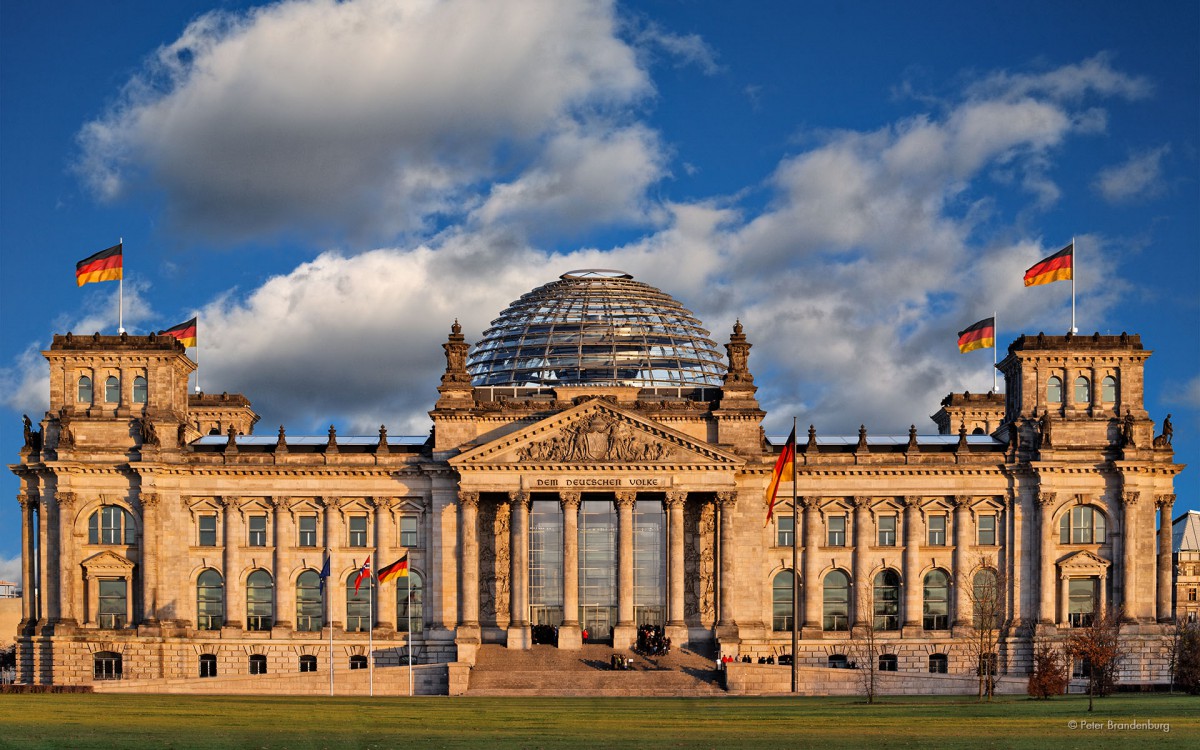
(598, 622)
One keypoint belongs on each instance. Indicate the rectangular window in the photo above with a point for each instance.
(937, 530)
(887, 531)
(308, 531)
(785, 531)
(112, 603)
(987, 530)
(258, 531)
(836, 526)
(358, 531)
(408, 531)
(1082, 594)
(208, 530)
(1191, 595)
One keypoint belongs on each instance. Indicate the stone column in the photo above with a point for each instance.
(1016, 560)
(63, 548)
(1046, 562)
(468, 529)
(960, 563)
(1128, 603)
(625, 632)
(676, 628)
(913, 585)
(45, 560)
(1163, 592)
(383, 531)
(858, 560)
(29, 504)
(285, 588)
(569, 636)
(235, 599)
(1064, 599)
(519, 634)
(812, 589)
(150, 558)
(727, 501)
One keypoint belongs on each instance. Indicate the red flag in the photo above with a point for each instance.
(103, 266)
(363, 572)
(785, 464)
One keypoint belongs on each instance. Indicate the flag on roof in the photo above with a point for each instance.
(185, 332)
(981, 335)
(103, 266)
(1057, 267)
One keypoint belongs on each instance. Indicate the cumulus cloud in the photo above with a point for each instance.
(10, 570)
(1072, 82)
(366, 117)
(1138, 178)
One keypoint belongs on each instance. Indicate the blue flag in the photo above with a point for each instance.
(324, 572)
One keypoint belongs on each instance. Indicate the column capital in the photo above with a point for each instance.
(65, 499)
(676, 498)
(1164, 502)
(626, 498)
(809, 502)
(911, 502)
(860, 502)
(149, 499)
(28, 499)
(727, 499)
(960, 501)
(1130, 498)
(1046, 499)
(468, 498)
(570, 499)
(519, 497)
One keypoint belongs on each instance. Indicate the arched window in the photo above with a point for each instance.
(358, 605)
(358, 661)
(1054, 393)
(112, 390)
(1083, 525)
(936, 608)
(410, 601)
(837, 601)
(939, 664)
(260, 601)
(111, 524)
(210, 600)
(887, 600)
(1108, 389)
(888, 663)
(106, 665)
(781, 601)
(308, 602)
(85, 390)
(258, 664)
(308, 663)
(139, 390)
(986, 599)
(838, 661)
(208, 665)
(1083, 390)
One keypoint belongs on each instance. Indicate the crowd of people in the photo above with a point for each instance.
(652, 641)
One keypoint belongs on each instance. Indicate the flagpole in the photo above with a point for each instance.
(795, 559)
(329, 624)
(121, 290)
(371, 635)
(1074, 269)
(408, 583)
(995, 346)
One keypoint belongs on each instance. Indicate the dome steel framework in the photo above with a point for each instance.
(596, 327)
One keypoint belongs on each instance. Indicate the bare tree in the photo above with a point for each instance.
(1049, 676)
(986, 594)
(866, 643)
(1097, 646)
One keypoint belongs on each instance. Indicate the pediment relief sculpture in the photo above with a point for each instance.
(598, 437)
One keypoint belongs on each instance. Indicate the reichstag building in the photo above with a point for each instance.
(596, 464)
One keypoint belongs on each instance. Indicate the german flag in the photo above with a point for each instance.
(981, 335)
(1057, 267)
(103, 266)
(785, 465)
(185, 332)
(398, 569)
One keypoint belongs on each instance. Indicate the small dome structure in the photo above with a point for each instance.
(596, 327)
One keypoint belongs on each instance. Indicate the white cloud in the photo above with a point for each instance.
(10, 570)
(362, 118)
(1072, 82)
(1139, 178)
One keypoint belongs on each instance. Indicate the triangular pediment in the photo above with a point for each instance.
(597, 435)
(1083, 561)
(107, 562)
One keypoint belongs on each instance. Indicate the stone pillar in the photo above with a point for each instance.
(1162, 597)
(676, 628)
(65, 574)
(625, 632)
(960, 563)
(383, 532)
(468, 528)
(913, 585)
(285, 587)
(519, 633)
(727, 501)
(1064, 600)
(1046, 561)
(45, 560)
(1128, 604)
(569, 636)
(29, 504)
(1016, 560)
(812, 588)
(150, 550)
(858, 562)
(235, 599)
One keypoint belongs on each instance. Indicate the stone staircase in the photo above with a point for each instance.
(548, 671)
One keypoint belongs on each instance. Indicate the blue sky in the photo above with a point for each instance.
(329, 185)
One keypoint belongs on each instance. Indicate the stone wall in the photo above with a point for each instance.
(769, 679)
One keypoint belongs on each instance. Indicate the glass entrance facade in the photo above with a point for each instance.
(598, 568)
(649, 563)
(546, 563)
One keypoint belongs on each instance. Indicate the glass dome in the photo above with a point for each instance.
(596, 327)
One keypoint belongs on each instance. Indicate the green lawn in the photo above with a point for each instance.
(274, 723)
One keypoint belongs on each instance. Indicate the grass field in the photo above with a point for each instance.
(83, 721)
